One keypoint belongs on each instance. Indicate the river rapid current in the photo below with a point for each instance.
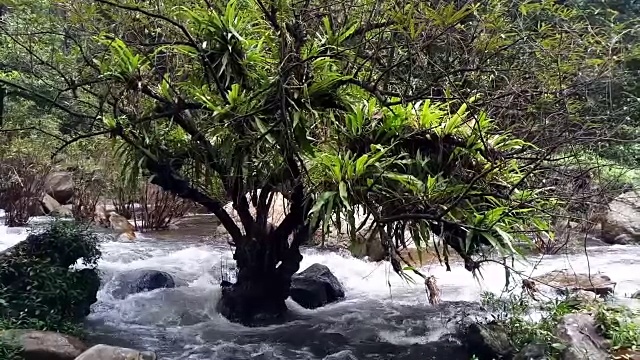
(382, 317)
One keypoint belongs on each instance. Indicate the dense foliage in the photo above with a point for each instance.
(21, 181)
(40, 289)
(518, 314)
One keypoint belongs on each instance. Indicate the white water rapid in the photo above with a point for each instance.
(383, 316)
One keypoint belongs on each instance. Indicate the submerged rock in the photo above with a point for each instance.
(106, 352)
(621, 224)
(316, 286)
(40, 345)
(488, 342)
(121, 226)
(579, 333)
(137, 281)
(565, 281)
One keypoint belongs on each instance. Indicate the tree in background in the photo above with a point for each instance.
(430, 118)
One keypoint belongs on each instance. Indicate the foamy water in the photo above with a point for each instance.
(383, 315)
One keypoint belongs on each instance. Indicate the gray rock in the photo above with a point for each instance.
(59, 185)
(585, 296)
(621, 224)
(315, 286)
(36, 208)
(564, 281)
(579, 333)
(367, 245)
(40, 345)
(532, 352)
(106, 352)
(51, 206)
(636, 295)
(488, 342)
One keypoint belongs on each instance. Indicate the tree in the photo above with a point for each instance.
(392, 109)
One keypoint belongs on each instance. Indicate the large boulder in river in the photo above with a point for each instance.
(564, 281)
(636, 295)
(417, 258)
(59, 185)
(315, 286)
(141, 280)
(40, 345)
(621, 225)
(579, 333)
(106, 352)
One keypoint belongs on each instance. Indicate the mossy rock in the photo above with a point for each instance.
(488, 342)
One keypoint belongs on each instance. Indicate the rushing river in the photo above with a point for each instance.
(383, 316)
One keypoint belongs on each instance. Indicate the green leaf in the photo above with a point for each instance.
(264, 130)
(324, 199)
(321, 201)
(409, 181)
(361, 165)
(345, 34)
(508, 239)
(493, 241)
(343, 193)
(493, 215)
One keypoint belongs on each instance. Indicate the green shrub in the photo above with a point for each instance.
(607, 172)
(40, 290)
(618, 324)
(64, 243)
(514, 313)
(10, 352)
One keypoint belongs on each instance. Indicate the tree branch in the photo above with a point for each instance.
(29, 94)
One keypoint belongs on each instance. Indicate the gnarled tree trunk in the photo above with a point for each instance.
(264, 278)
(266, 257)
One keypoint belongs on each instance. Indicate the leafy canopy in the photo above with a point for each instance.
(396, 110)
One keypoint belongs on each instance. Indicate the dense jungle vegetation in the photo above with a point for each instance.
(485, 123)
